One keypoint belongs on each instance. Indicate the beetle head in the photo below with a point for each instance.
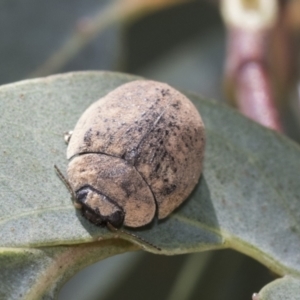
(96, 207)
(111, 216)
(99, 209)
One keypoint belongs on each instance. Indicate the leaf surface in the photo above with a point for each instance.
(287, 288)
(247, 198)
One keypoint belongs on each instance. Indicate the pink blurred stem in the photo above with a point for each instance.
(254, 95)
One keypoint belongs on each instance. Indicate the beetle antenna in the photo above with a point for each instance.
(66, 182)
(114, 229)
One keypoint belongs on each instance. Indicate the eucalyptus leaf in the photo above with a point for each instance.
(287, 288)
(247, 198)
(38, 273)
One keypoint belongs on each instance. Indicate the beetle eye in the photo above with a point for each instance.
(116, 218)
(93, 216)
(98, 209)
(81, 195)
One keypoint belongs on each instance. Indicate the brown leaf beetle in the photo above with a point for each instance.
(134, 154)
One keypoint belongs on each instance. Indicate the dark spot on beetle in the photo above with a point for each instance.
(157, 149)
(167, 132)
(168, 189)
(176, 105)
(172, 117)
(164, 155)
(140, 129)
(175, 170)
(88, 137)
(177, 126)
(158, 100)
(161, 142)
(174, 133)
(186, 145)
(135, 121)
(127, 187)
(158, 130)
(98, 133)
(166, 180)
(164, 92)
(157, 167)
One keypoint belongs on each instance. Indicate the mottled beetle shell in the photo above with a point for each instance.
(139, 149)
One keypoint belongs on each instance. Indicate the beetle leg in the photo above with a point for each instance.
(67, 136)
(114, 229)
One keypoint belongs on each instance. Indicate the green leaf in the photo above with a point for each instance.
(247, 199)
(38, 273)
(286, 288)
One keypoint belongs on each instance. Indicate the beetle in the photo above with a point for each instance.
(135, 153)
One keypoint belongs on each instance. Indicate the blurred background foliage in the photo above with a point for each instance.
(178, 42)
